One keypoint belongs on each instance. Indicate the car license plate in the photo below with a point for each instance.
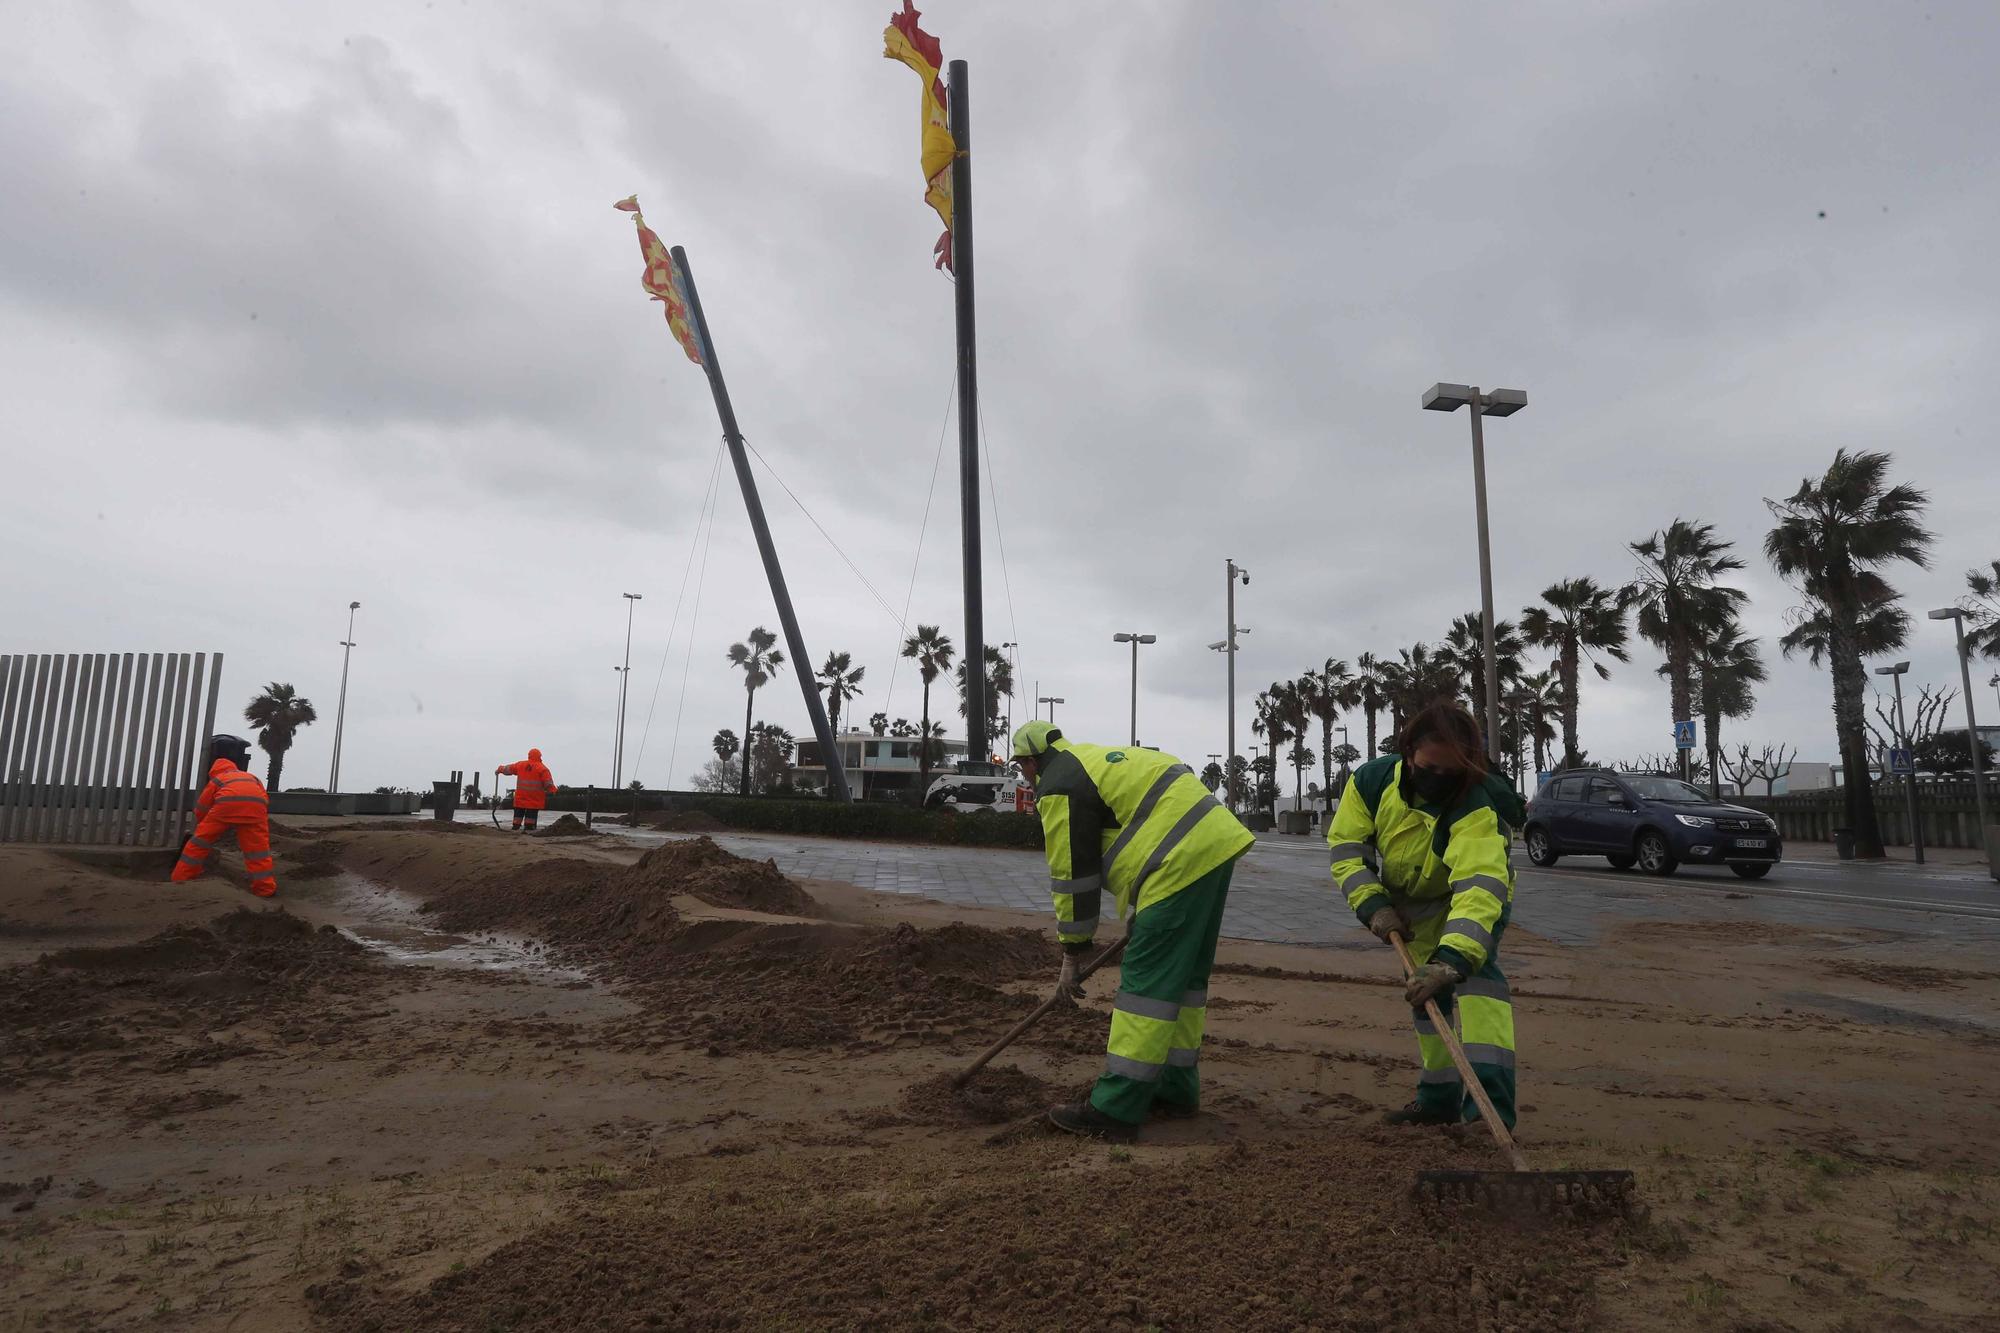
(1758, 843)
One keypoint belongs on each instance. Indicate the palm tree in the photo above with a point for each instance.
(1270, 723)
(1328, 692)
(1419, 677)
(1831, 536)
(1372, 696)
(277, 714)
(771, 751)
(759, 660)
(839, 681)
(879, 723)
(1727, 668)
(1579, 619)
(1537, 699)
(1465, 648)
(725, 744)
(932, 651)
(999, 681)
(1211, 777)
(1985, 608)
(902, 726)
(1679, 603)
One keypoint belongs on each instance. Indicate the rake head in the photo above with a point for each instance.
(1518, 1193)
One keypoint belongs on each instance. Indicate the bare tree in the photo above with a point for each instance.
(1771, 764)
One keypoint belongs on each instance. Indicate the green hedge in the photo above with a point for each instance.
(888, 821)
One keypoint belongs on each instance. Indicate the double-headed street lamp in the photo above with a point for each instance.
(1135, 640)
(340, 712)
(1956, 614)
(1051, 701)
(1903, 742)
(632, 600)
(1498, 403)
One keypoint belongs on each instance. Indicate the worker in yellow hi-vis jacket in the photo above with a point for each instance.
(1139, 823)
(1420, 847)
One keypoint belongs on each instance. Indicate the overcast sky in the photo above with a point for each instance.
(310, 304)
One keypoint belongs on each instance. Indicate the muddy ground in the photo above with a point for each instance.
(464, 1080)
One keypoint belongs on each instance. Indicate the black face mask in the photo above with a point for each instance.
(1429, 784)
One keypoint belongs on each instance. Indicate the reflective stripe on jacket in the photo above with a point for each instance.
(1137, 822)
(231, 793)
(1390, 849)
(533, 784)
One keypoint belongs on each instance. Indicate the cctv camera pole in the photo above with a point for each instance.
(340, 712)
(836, 774)
(1229, 651)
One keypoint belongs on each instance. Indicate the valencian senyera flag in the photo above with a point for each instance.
(662, 280)
(903, 40)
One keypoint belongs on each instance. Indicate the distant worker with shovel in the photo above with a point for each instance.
(232, 802)
(1141, 824)
(1435, 824)
(533, 785)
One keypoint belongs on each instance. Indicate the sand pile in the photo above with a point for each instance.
(698, 867)
(996, 1094)
(315, 860)
(247, 964)
(1316, 1233)
(569, 826)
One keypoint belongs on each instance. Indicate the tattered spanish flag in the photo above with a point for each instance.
(903, 40)
(662, 280)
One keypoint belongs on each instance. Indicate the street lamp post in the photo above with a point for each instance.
(1906, 779)
(1233, 573)
(340, 712)
(1051, 701)
(1956, 615)
(632, 600)
(1135, 640)
(1498, 403)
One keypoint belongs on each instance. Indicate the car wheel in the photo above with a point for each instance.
(1541, 849)
(1751, 870)
(1622, 862)
(1654, 857)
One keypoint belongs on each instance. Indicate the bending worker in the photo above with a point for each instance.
(1420, 848)
(1139, 823)
(533, 785)
(232, 802)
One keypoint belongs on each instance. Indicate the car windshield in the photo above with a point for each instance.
(1672, 790)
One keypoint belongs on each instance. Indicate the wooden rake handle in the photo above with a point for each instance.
(1458, 1057)
(1109, 955)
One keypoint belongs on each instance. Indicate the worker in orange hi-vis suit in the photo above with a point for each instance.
(232, 802)
(533, 785)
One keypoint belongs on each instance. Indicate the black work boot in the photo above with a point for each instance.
(1081, 1118)
(1416, 1113)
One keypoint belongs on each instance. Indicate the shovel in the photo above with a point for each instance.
(1108, 956)
(1521, 1189)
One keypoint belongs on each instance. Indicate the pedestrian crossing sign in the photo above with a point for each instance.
(1684, 735)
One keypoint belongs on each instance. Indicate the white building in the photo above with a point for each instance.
(879, 768)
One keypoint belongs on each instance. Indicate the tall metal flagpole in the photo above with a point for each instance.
(836, 774)
(959, 91)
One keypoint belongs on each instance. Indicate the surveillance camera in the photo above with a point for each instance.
(1246, 577)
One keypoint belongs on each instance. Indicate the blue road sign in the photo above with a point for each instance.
(1901, 761)
(1684, 735)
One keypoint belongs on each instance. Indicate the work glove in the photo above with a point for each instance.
(1070, 982)
(1387, 919)
(1433, 981)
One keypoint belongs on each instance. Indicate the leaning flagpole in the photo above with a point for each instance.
(836, 773)
(976, 741)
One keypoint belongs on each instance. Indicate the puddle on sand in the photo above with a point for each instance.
(391, 923)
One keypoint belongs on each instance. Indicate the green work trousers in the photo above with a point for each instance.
(1482, 1011)
(1162, 1004)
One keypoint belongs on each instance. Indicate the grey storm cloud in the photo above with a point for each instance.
(347, 284)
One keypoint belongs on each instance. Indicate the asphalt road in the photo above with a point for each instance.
(1282, 893)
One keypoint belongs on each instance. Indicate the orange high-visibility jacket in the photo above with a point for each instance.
(235, 796)
(533, 783)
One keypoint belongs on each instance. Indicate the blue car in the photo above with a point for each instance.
(1655, 823)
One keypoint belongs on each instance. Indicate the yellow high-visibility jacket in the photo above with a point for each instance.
(1428, 861)
(1135, 821)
